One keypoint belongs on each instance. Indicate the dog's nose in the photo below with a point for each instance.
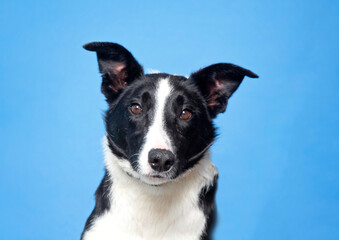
(161, 160)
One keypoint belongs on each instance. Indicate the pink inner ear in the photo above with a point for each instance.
(119, 70)
(214, 93)
(218, 84)
(120, 75)
(118, 67)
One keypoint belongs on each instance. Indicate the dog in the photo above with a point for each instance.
(159, 181)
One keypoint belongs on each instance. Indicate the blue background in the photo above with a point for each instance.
(278, 152)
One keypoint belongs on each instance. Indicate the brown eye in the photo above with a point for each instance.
(135, 108)
(185, 114)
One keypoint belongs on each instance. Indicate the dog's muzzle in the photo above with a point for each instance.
(161, 160)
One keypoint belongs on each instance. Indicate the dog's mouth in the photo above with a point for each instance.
(157, 178)
(153, 179)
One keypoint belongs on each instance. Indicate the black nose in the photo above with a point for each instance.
(160, 160)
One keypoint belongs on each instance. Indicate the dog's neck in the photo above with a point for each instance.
(140, 211)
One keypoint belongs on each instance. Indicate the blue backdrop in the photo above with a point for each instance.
(278, 152)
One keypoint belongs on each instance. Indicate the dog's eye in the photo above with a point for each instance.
(135, 108)
(185, 114)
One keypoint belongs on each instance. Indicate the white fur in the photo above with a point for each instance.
(143, 212)
(156, 136)
(151, 70)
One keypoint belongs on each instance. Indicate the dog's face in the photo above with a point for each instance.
(160, 125)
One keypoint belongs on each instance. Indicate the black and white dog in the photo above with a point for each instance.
(160, 182)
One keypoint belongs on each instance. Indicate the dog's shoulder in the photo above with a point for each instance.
(102, 202)
(208, 205)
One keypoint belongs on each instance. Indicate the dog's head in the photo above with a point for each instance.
(161, 125)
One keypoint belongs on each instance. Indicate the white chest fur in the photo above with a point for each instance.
(143, 212)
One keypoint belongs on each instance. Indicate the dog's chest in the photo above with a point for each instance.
(143, 212)
(166, 212)
(134, 215)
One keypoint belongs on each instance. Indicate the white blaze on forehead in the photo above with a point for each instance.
(156, 136)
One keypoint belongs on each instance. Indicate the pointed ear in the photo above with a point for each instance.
(117, 65)
(218, 82)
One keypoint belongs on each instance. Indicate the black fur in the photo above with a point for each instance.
(127, 131)
(205, 94)
(102, 202)
(208, 205)
(218, 82)
(117, 65)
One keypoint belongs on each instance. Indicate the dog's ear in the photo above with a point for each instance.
(218, 82)
(117, 65)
